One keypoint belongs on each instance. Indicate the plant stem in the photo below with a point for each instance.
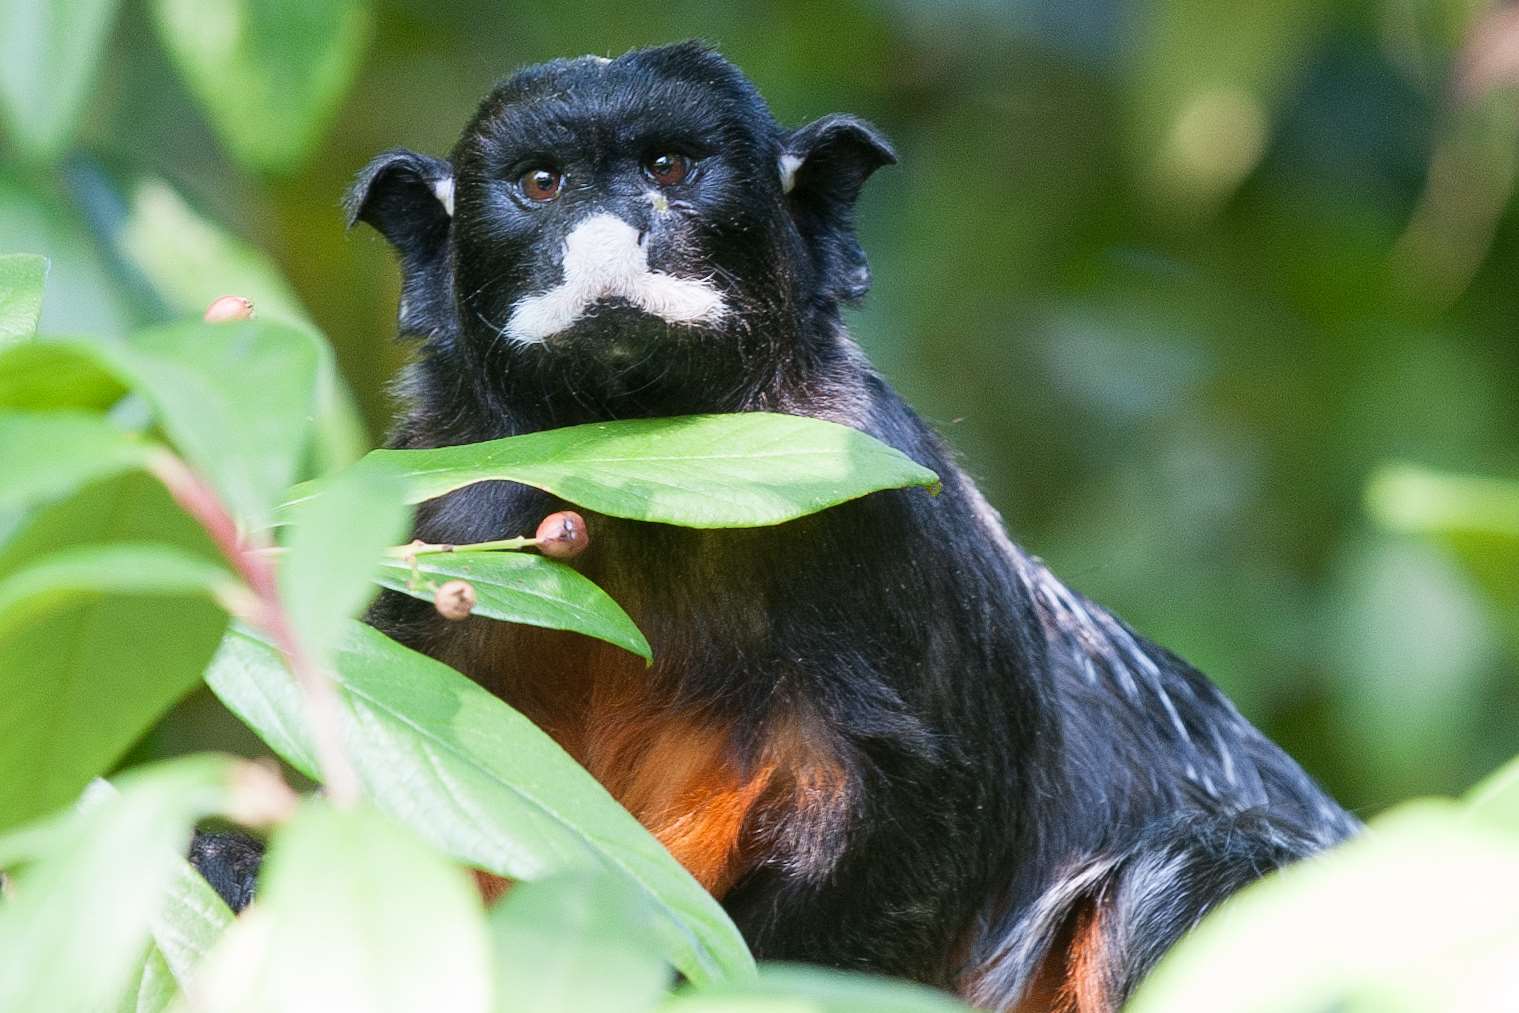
(435, 548)
(250, 559)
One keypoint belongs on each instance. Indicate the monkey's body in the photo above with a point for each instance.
(888, 739)
(882, 735)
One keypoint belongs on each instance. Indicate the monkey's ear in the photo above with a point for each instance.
(407, 197)
(823, 167)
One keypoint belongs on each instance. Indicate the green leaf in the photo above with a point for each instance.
(48, 375)
(575, 943)
(234, 398)
(786, 988)
(521, 588)
(1420, 913)
(353, 913)
(331, 544)
(271, 73)
(699, 471)
(51, 455)
(338, 438)
(60, 580)
(1419, 501)
(132, 507)
(155, 988)
(77, 922)
(1495, 799)
(446, 758)
(191, 262)
(83, 294)
(48, 55)
(1475, 519)
(96, 642)
(191, 918)
(189, 922)
(21, 279)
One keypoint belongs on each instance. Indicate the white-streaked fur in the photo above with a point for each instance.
(603, 259)
(789, 165)
(443, 189)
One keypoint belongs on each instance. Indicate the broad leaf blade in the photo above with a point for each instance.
(75, 930)
(21, 279)
(51, 455)
(522, 588)
(155, 988)
(66, 576)
(49, 375)
(1421, 913)
(83, 294)
(1495, 799)
(1473, 517)
(794, 988)
(1419, 501)
(233, 398)
(190, 262)
(138, 622)
(332, 543)
(48, 54)
(575, 943)
(189, 921)
(479, 780)
(270, 73)
(353, 913)
(701, 471)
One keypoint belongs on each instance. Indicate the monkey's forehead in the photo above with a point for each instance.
(686, 80)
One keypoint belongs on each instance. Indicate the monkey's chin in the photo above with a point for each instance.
(617, 331)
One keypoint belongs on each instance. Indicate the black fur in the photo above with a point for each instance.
(230, 861)
(1013, 757)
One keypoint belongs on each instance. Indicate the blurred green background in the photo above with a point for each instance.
(1177, 277)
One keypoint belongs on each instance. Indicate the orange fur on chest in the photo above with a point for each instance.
(677, 776)
(679, 773)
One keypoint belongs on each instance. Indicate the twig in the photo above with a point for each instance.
(421, 548)
(250, 559)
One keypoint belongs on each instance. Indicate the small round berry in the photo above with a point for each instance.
(229, 307)
(563, 535)
(455, 599)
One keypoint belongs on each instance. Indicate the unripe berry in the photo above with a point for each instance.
(455, 599)
(229, 307)
(563, 535)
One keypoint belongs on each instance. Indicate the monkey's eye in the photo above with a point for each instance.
(667, 168)
(541, 185)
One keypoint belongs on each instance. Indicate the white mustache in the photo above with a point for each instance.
(603, 260)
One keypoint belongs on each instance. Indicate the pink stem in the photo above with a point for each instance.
(201, 502)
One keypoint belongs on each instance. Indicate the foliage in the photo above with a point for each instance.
(99, 637)
(1422, 912)
(1184, 273)
(1419, 914)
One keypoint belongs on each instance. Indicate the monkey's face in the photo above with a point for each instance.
(644, 215)
(600, 206)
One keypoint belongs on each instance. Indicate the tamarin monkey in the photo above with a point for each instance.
(883, 736)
